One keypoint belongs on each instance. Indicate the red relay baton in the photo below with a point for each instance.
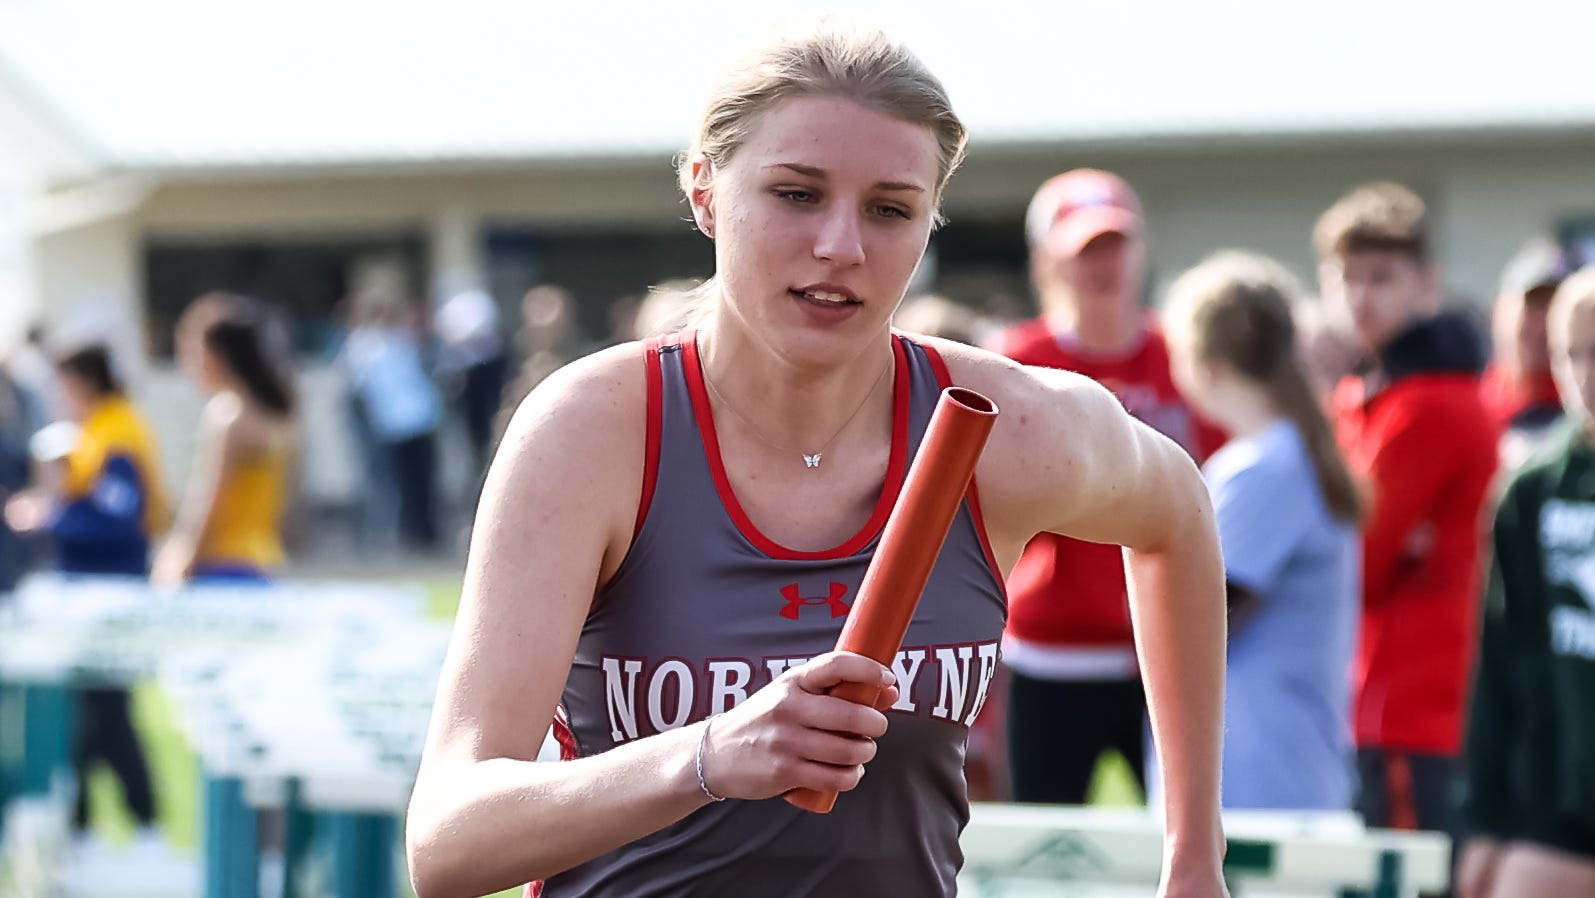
(913, 538)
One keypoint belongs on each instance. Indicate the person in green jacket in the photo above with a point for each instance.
(1530, 804)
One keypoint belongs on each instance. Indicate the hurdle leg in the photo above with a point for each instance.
(232, 862)
(298, 840)
(49, 728)
(12, 731)
(362, 847)
(1387, 882)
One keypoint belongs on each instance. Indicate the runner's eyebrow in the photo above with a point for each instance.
(813, 172)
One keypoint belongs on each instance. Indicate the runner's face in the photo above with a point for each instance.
(819, 219)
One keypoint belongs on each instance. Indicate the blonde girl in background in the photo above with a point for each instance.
(1287, 514)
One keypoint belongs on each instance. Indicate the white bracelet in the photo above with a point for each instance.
(703, 741)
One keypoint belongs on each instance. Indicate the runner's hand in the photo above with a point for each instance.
(792, 735)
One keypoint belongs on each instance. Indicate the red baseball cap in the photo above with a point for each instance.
(1072, 209)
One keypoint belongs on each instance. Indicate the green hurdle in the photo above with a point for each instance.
(1017, 851)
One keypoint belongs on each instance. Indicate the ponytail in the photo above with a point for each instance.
(1293, 394)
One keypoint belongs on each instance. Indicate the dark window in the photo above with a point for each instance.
(305, 280)
(983, 263)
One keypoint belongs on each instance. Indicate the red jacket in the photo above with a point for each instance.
(1064, 592)
(1427, 449)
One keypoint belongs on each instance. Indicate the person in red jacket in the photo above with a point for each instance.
(1068, 645)
(1413, 428)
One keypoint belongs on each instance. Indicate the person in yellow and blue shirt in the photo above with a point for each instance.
(101, 500)
(101, 497)
(229, 528)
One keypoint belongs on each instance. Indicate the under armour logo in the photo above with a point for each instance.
(795, 601)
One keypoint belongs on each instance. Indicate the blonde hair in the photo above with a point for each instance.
(833, 58)
(830, 58)
(1237, 308)
(668, 308)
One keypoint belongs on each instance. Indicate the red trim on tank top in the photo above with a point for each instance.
(656, 414)
(654, 429)
(565, 736)
(896, 464)
(944, 377)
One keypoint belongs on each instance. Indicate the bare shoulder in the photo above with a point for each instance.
(577, 442)
(224, 410)
(1027, 397)
(555, 517)
(224, 424)
(244, 428)
(601, 390)
(590, 411)
(1053, 429)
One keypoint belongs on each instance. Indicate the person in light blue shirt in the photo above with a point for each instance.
(1287, 512)
(383, 362)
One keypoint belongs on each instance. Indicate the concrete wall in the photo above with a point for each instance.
(17, 299)
(89, 282)
(555, 195)
(35, 155)
(1486, 197)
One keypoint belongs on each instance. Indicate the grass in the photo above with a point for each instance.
(175, 772)
(1114, 785)
(443, 598)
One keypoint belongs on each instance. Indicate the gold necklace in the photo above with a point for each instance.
(810, 460)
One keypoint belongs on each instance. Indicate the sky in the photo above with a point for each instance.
(172, 81)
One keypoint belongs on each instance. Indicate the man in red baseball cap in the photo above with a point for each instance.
(1069, 644)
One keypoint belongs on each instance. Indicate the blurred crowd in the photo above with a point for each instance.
(1353, 442)
(1356, 445)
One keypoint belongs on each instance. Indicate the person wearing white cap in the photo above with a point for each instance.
(1517, 388)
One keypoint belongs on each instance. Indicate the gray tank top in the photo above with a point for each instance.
(705, 610)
